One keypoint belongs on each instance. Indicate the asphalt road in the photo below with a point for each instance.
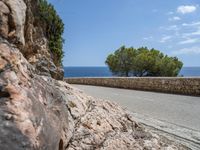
(176, 109)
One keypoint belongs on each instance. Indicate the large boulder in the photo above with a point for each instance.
(33, 111)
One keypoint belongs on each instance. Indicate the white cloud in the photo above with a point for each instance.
(165, 39)
(193, 24)
(195, 33)
(148, 38)
(192, 28)
(173, 27)
(185, 9)
(170, 13)
(191, 50)
(175, 18)
(170, 28)
(189, 41)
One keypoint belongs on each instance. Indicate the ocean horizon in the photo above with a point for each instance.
(103, 71)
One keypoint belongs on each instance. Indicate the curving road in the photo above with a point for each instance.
(176, 109)
(176, 116)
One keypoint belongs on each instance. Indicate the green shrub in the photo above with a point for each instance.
(54, 29)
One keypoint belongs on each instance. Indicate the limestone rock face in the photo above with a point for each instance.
(103, 125)
(33, 111)
(19, 24)
(13, 14)
(4, 11)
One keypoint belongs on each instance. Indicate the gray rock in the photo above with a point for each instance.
(18, 25)
(17, 18)
(33, 110)
(4, 27)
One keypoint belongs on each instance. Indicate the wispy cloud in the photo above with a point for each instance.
(189, 41)
(185, 9)
(165, 39)
(193, 29)
(194, 33)
(193, 24)
(170, 28)
(175, 18)
(148, 38)
(170, 13)
(190, 50)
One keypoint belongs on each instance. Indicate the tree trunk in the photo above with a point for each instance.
(127, 73)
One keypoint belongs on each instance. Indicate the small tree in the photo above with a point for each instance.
(142, 62)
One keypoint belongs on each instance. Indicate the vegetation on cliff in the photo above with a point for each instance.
(54, 29)
(142, 62)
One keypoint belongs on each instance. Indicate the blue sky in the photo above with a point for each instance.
(96, 28)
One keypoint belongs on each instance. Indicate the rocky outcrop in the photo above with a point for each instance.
(104, 125)
(38, 112)
(33, 110)
(13, 14)
(20, 25)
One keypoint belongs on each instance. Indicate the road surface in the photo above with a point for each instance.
(176, 109)
(176, 116)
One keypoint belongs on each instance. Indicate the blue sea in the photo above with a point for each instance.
(104, 72)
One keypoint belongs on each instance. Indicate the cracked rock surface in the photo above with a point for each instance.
(104, 125)
(19, 25)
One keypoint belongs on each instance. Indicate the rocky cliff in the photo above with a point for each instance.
(20, 25)
(39, 112)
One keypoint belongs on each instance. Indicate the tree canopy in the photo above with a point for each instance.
(54, 28)
(142, 62)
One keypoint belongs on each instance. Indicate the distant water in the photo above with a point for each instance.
(104, 71)
(190, 71)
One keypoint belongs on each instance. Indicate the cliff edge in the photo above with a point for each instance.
(39, 112)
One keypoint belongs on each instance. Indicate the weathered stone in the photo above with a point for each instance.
(177, 85)
(33, 110)
(17, 18)
(103, 125)
(4, 26)
(19, 25)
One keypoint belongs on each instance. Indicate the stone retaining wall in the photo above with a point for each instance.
(186, 86)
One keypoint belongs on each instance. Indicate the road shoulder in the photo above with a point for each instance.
(180, 134)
